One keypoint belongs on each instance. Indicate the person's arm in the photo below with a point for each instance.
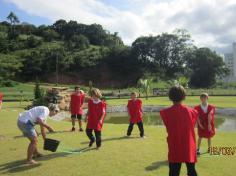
(43, 124)
(199, 123)
(102, 117)
(43, 131)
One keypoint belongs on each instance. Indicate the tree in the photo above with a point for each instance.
(49, 35)
(78, 42)
(205, 67)
(163, 55)
(145, 85)
(13, 21)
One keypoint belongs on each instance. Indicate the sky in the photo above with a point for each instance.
(210, 22)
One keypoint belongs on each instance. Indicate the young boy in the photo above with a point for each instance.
(180, 121)
(135, 112)
(76, 103)
(26, 122)
(206, 128)
(95, 117)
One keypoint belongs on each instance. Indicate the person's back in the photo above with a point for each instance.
(37, 112)
(180, 121)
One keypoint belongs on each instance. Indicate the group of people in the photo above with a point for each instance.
(180, 121)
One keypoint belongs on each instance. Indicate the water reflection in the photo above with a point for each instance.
(223, 123)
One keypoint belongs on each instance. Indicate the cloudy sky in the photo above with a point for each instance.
(212, 23)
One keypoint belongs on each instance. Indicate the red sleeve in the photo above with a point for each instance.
(163, 116)
(195, 115)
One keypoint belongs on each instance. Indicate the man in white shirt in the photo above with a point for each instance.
(26, 122)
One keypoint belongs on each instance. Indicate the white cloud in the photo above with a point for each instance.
(210, 22)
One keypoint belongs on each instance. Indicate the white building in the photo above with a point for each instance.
(230, 61)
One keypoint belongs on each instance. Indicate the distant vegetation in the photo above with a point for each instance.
(80, 53)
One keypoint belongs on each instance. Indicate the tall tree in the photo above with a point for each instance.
(205, 67)
(13, 21)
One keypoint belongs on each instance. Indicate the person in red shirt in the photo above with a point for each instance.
(135, 112)
(1, 96)
(76, 103)
(180, 121)
(206, 128)
(95, 117)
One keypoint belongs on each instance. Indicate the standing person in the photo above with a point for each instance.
(206, 127)
(76, 103)
(180, 121)
(95, 117)
(1, 97)
(135, 112)
(26, 122)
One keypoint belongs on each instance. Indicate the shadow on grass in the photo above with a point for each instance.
(114, 139)
(156, 165)
(20, 165)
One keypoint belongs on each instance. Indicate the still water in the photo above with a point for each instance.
(222, 123)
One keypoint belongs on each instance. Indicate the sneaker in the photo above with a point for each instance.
(81, 130)
(73, 129)
(198, 152)
(91, 143)
(143, 137)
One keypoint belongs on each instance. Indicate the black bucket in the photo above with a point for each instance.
(51, 144)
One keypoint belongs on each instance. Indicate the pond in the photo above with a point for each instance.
(222, 123)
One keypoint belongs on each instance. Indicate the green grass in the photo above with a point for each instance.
(117, 157)
(218, 101)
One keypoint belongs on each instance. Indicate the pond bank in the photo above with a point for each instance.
(122, 108)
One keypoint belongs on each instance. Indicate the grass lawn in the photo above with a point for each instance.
(118, 156)
(218, 101)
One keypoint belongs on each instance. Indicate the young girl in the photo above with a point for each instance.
(76, 103)
(134, 108)
(206, 128)
(95, 117)
(180, 121)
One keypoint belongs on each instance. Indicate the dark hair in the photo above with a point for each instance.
(77, 87)
(177, 94)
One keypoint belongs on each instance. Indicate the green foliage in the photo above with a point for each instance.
(206, 66)
(145, 85)
(39, 93)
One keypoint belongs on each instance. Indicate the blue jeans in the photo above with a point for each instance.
(27, 129)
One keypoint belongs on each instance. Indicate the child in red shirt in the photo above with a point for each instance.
(1, 96)
(206, 128)
(180, 121)
(76, 103)
(135, 112)
(95, 117)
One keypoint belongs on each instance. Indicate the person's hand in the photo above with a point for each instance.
(100, 121)
(51, 130)
(86, 119)
(209, 127)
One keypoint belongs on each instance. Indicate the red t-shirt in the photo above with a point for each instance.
(76, 103)
(203, 117)
(96, 110)
(1, 96)
(180, 121)
(135, 110)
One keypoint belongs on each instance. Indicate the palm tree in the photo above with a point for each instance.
(144, 84)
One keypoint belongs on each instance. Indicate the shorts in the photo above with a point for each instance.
(27, 129)
(78, 116)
